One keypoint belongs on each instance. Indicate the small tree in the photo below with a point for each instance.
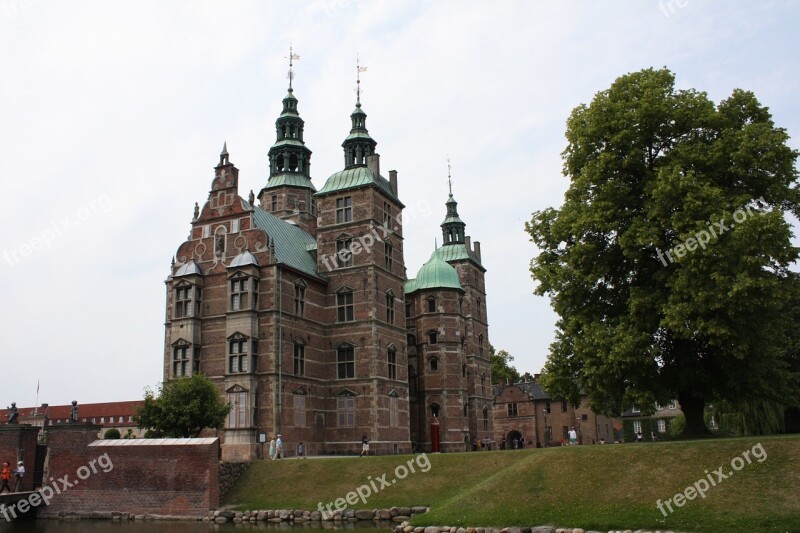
(184, 407)
(112, 433)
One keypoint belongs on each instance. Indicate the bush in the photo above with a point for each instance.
(112, 433)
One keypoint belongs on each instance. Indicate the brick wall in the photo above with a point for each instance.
(18, 443)
(140, 476)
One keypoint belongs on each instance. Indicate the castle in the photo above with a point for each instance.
(299, 309)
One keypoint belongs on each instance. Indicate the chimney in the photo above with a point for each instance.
(536, 377)
(393, 181)
(468, 243)
(478, 249)
(374, 164)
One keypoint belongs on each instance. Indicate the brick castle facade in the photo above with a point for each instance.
(296, 303)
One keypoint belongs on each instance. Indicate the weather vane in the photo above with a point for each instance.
(359, 70)
(449, 181)
(292, 57)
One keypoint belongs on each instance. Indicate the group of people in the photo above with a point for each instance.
(276, 449)
(5, 477)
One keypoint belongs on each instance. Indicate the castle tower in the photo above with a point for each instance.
(360, 251)
(288, 193)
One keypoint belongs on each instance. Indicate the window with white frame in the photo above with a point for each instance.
(237, 355)
(390, 307)
(391, 357)
(345, 411)
(637, 426)
(344, 306)
(237, 418)
(299, 410)
(180, 360)
(299, 298)
(662, 425)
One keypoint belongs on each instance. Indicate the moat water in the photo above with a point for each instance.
(154, 526)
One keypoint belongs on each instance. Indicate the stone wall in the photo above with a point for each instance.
(229, 474)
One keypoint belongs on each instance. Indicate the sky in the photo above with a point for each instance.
(113, 114)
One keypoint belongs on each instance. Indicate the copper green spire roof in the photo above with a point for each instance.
(435, 274)
(289, 158)
(453, 227)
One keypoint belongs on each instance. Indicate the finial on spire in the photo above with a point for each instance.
(223, 156)
(449, 180)
(224, 148)
(292, 57)
(359, 70)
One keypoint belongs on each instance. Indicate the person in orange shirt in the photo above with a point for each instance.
(5, 475)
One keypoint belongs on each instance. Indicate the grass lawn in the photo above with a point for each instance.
(593, 487)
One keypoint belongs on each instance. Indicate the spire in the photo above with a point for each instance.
(292, 56)
(453, 228)
(358, 145)
(289, 158)
(223, 156)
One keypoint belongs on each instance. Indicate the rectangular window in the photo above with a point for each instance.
(512, 409)
(485, 420)
(387, 214)
(345, 362)
(344, 209)
(394, 418)
(565, 433)
(662, 425)
(299, 300)
(237, 418)
(408, 309)
(239, 294)
(299, 411)
(392, 359)
(344, 257)
(274, 203)
(433, 338)
(183, 302)
(431, 305)
(390, 308)
(206, 231)
(637, 426)
(388, 250)
(344, 307)
(299, 359)
(563, 406)
(672, 404)
(180, 361)
(345, 411)
(235, 225)
(237, 358)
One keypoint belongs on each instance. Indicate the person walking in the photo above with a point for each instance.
(272, 449)
(573, 437)
(364, 445)
(20, 473)
(279, 447)
(5, 476)
(301, 451)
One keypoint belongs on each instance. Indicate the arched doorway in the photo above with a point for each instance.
(513, 440)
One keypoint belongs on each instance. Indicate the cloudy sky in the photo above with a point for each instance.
(112, 115)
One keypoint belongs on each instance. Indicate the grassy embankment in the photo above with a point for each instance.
(593, 487)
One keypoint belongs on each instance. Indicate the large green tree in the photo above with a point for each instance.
(183, 408)
(668, 262)
(502, 371)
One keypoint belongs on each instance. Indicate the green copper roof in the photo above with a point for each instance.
(353, 178)
(291, 242)
(457, 252)
(358, 135)
(435, 274)
(290, 180)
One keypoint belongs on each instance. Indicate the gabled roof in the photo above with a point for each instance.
(291, 242)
